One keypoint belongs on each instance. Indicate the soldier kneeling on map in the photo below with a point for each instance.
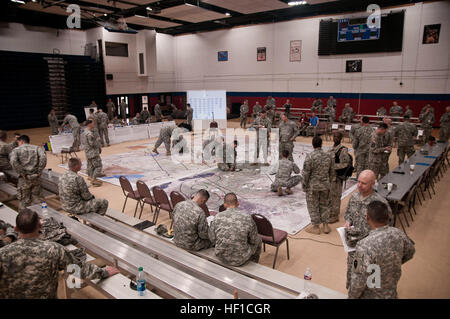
(284, 178)
(229, 157)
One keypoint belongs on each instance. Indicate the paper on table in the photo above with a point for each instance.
(341, 231)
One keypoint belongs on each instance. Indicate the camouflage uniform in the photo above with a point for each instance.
(103, 128)
(353, 129)
(189, 115)
(29, 161)
(235, 237)
(317, 106)
(243, 118)
(145, 115)
(377, 155)
(288, 131)
(381, 111)
(341, 159)
(284, 178)
(270, 114)
(29, 269)
(5, 151)
(257, 108)
(111, 109)
(190, 229)
(356, 214)
(228, 157)
(123, 110)
(271, 103)
(318, 173)
(396, 110)
(347, 115)
(73, 122)
(287, 108)
(427, 124)
(405, 133)
(268, 125)
(389, 141)
(409, 113)
(158, 113)
(164, 136)
(7, 231)
(444, 132)
(117, 122)
(93, 149)
(76, 198)
(331, 112)
(53, 122)
(94, 119)
(387, 247)
(331, 103)
(361, 144)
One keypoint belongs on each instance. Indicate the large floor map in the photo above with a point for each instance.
(251, 183)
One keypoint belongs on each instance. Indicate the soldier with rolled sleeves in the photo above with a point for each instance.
(103, 120)
(164, 137)
(427, 119)
(189, 114)
(93, 149)
(123, 109)
(53, 122)
(190, 228)
(347, 114)
(318, 173)
(405, 133)
(28, 161)
(73, 122)
(444, 131)
(381, 111)
(378, 149)
(317, 106)
(361, 144)
(7, 234)
(5, 151)
(145, 115)
(111, 109)
(270, 102)
(40, 262)
(257, 108)
(396, 110)
(387, 248)
(408, 112)
(339, 154)
(288, 132)
(262, 122)
(284, 178)
(234, 234)
(158, 112)
(74, 193)
(243, 116)
(355, 215)
(228, 157)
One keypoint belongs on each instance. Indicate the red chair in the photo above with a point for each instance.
(146, 197)
(128, 191)
(160, 197)
(269, 235)
(176, 197)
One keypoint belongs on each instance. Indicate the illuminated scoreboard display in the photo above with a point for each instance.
(356, 30)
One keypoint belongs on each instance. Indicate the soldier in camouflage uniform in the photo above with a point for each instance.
(73, 122)
(408, 112)
(5, 151)
(164, 137)
(378, 149)
(243, 116)
(28, 161)
(103, 120)
(427, 119)
(347, 114)
(318, 173)
(111, 109)
(116, 121)
(228, 157)
(287, 107)
(389, 140)
(270, 113)
(29, 267)
(190, 229)
(257, 108)
(145, 115)
(405, 133)
(331, 112)
(136, 120)
(7, 234)
(284, 178)
(425, 108)
(288, 132)
(93, 117)
(444, 131)
(385, 246)
(271, 102)
(53, 122)
(158, 112)
(74, 193)
(317, 106)
(123, 109)
(262, 122)
(361, 144)
(189, 114)
(331, 102)
(355, 215)
(339, 154)
(93, 149)
(381, 111)
(234, 234)
(396, 110)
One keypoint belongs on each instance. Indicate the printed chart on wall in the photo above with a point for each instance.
(207, 103)
(295, 51)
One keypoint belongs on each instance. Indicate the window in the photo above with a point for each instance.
(116, 49)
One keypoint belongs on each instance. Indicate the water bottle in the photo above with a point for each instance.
(44, 208)
(307, 277)
(140, 281)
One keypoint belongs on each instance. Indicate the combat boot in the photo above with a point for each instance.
(280, 191)
(96, 182)
(168, 153)
(333, 220)
(315, 229)
(326, 228)
(155, 151)
(288, 191)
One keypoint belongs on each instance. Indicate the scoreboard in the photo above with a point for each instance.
(356, 30)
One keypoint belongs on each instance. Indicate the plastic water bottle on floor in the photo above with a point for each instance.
(140, 281)
(44, 209)
(307, 277)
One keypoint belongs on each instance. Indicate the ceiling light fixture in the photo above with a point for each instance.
(136, 15)
(188, 4)
(18, 1)
(149, 9)
(296, 3)
(227, 13)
